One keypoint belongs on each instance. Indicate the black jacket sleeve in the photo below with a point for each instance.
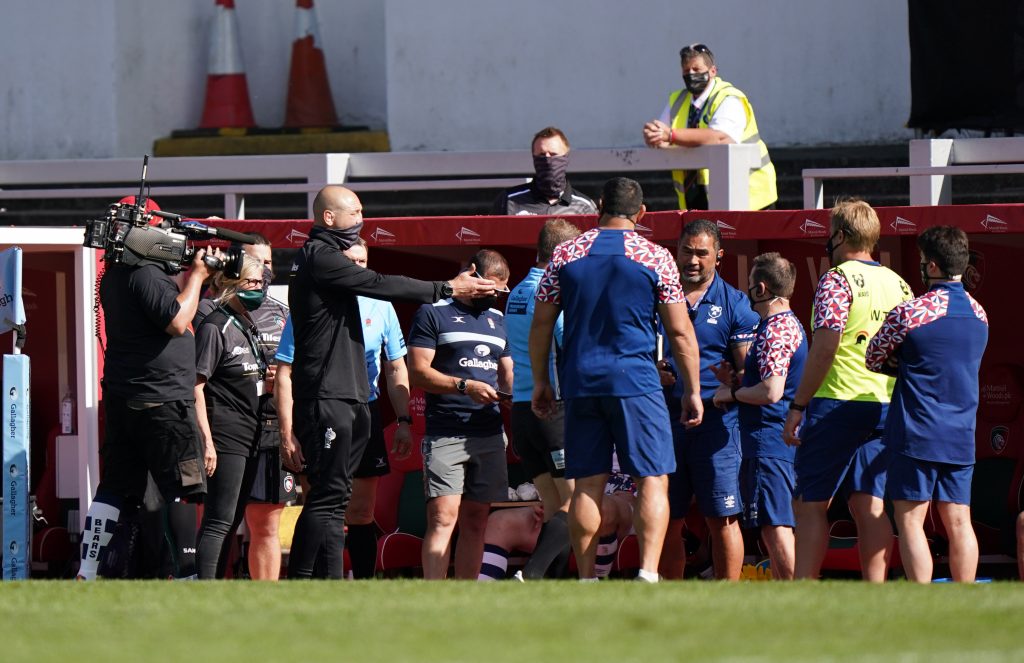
(332, 269)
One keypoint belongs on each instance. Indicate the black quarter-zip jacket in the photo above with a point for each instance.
(330, 359)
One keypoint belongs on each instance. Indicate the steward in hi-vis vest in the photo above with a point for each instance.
(709, 111)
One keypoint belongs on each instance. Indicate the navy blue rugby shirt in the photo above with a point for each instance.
(468, 344)
(938, 339)
(721, 319)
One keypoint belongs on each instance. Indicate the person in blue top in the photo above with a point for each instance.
(459, 355)
(612, 283)
(382, 335)
(708, 456)
(770, 378)
(540, 442)
(933, 344)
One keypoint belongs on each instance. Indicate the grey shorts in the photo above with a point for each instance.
(474, 467)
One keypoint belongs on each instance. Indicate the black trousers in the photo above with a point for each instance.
(226, 499)
(333, 434)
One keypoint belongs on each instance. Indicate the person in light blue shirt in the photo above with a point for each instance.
(540, 443)
(385, 350)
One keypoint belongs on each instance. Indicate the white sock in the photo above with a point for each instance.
(647, 576)
(99, 527)
(590, 579)
(607, 546)
(495, 563)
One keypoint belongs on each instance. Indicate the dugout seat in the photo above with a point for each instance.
(401, 512)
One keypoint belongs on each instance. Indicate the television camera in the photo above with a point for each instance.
(126, 237)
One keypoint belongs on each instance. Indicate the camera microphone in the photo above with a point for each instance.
(198, 227)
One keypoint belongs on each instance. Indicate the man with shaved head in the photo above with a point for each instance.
(329, 380)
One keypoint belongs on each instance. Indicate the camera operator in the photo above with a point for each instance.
(330, 383)
(148, 380)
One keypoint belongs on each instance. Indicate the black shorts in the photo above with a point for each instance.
(162, 440)
(274, 484)
(539, 443)
(374, 462)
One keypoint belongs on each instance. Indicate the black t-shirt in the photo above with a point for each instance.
(143, 362)
(330, 361)
(228, 356)
(269, 318)
(524, 201)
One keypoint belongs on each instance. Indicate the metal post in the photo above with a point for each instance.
(729, 180)
(814, 193)
(931, 189)
(87, 380)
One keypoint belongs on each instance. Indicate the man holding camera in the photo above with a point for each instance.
(329, 379)
(148, 379)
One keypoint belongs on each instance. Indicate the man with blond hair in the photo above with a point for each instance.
(840, 448)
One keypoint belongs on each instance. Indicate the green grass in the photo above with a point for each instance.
(613, 622)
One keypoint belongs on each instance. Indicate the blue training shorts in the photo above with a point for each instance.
(924, 480)
(841, 449)
(636, 427)
(766, 486)
(708, 466)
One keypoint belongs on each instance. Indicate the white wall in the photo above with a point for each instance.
(105, 78)
(466, 74)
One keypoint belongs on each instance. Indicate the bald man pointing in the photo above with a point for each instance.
(329, 383)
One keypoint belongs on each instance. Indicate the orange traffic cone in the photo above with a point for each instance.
(310, 103)
(227, 92)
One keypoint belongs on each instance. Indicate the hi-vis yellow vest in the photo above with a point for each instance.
(876, 291)
(762, 180)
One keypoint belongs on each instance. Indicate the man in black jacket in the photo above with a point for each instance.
(549, 193)
(329, 380)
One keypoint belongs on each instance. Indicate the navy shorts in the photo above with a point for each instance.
(635, 427)
(924, 480)
(841, 449)
(766, 485)
(708, 466)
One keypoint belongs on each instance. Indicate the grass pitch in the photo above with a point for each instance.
(407, 620)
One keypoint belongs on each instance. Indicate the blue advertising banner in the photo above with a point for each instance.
(12, 308)
(16, 551)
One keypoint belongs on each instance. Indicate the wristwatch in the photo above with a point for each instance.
(447, 290)
(404, 420)
(461, 386)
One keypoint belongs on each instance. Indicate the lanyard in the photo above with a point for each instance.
(249, 332)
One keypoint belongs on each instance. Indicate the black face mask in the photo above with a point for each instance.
(549, 179)
(345, 237)
(697, 83)
(268, 276)
(754, 301)
(484, 303)
(830, 246)
(925, 279)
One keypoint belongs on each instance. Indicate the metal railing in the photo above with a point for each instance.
(235, 177)
(932, 164)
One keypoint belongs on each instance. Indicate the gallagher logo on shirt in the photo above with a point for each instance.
(473, 362)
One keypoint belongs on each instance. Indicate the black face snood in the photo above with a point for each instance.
(549, 180)
(696, 83)
(345, 237)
